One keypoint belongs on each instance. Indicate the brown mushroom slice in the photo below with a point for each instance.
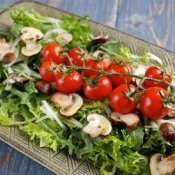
(76, 105)
(67, 104)
(7, 51)
(61, 100)
(98, 125)
(162, 166)
(100, 39)
(167, 131)
(64, 38)
(131, 120)
(43, 86)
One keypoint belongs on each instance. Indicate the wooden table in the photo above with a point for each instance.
(152, 20)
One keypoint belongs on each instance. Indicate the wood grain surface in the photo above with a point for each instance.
(151, 20)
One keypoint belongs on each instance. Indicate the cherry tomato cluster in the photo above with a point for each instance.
(117, 83)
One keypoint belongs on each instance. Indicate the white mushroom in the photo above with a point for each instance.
(67, 104)
(98, 125)
(7, 51)
(29, 36)
(64, 38)
(162, 166)
(131, 120)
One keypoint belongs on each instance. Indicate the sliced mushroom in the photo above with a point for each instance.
(43, 86)
(7, 51)
(17, 78)
(100, 39)
(98, 125)
(131, 120)
(67, 104)
(64, 38)
(167, 131)
(29, 36)
(162, 166)
(31, 33)
(171, 113)
(31, 48)
(62, 100)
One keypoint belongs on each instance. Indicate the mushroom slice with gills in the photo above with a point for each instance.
(62, 100)
(31, 48)
(29, 36)
(98, 125)
(7, 51)
(162, 166)
(64, 38)
(131, 120)
(67, 104)
(31, 33)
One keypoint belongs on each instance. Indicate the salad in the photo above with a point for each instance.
(69, 89)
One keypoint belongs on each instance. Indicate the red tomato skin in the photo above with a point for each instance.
(45, 73)
(155, 72)
(119, 102)
(151, 104)
(100, 91)
(93, 64)
(75, 55)
(124, 69)
(51, 52)
(70, 83)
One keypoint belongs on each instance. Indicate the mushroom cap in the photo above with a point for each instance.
(154, 164)
(76, 105)
(162, 166)
(5, 50)
(31, 33)
(101, 122)
(131, 120)
(68, 104)
(61, 100)
(167, 131)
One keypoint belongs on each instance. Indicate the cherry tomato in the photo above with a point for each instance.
(51, 52)
(69, 83)
(99, 91)
(75, 56)
(45, 71)
(120, 102)
(123, 69)
(93, 64)
(151, 104)
(156, 73)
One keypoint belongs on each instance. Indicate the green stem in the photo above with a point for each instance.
(104, 73)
